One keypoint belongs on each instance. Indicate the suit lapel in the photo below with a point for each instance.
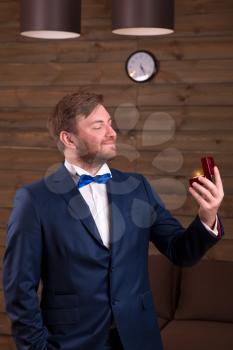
(119, 188)
(62, 183)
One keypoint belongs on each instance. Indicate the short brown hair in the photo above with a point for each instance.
(67, 109)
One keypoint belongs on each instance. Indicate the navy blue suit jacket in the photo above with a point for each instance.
(52, 237)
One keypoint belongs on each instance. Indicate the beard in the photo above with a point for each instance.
(85, 154)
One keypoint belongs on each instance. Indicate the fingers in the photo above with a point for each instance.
(203, 195)
(200, 200)
(206, 191)
(218, 180)
(205, 187)
(215, 187)
(209, 196)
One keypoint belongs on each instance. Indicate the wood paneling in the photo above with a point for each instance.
(171, 48)
(149, 140)
(4, 215)
(190, 118)
(194, 90)
(185, 95)
(225, 253)
(146, 95)
(48, 96)
(7, 343)
(167, 48)
(191, 162)
(4, 324)
(56, 74)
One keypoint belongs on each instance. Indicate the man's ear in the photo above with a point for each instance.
(67, 139)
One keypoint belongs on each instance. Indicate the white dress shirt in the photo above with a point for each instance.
(95, 195)
(214, 230)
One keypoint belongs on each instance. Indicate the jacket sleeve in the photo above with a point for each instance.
(183, 247)
(21, 274)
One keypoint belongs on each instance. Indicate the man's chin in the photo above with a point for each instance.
(108, 155)
(100, 158)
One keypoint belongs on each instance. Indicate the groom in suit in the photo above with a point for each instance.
(84, 231)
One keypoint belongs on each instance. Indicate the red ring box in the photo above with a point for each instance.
(208, 169)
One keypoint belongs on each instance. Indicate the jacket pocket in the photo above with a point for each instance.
(61, 316)
(59, 301)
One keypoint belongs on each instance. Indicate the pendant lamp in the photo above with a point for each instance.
(50, 19)
(142, 17)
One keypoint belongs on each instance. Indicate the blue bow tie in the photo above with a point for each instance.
(87, 179)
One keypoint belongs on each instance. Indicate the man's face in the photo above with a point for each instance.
(95, 137)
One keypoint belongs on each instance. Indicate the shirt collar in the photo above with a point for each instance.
(76, 170)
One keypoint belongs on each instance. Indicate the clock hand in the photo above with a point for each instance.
(142, 69)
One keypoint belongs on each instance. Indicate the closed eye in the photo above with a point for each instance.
(98, 124)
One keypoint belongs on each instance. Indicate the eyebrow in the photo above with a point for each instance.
(101, 121)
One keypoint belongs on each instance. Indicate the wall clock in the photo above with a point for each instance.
(141, 66)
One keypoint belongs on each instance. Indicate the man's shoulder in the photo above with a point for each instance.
(35, 190)
(50, 182)
(125, 174)
(133, 180)
(126, 182)
(33, 186)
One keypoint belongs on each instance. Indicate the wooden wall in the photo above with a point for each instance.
(188, 108)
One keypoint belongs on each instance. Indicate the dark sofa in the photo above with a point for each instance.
(194, 304)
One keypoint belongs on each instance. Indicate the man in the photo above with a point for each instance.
(84, 232)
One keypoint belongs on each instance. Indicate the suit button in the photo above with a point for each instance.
(111, 269)
(115, 301)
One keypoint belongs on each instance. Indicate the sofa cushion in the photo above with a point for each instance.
(163, 280)
(197, 335)
(162, 322)
(207, 292)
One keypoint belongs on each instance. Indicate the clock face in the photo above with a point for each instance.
(141, 66)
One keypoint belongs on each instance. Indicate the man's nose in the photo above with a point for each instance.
(111, 131)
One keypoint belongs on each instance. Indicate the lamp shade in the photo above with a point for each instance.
(142, 17)
(50, 19)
